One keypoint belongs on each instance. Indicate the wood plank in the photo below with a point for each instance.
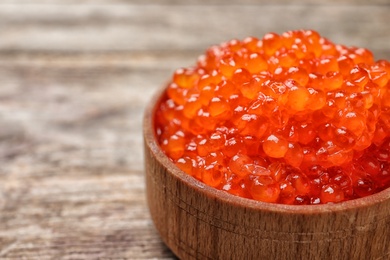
(72, 215)
(195, 2)
(155, 27)
(78, 109)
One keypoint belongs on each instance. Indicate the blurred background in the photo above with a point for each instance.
(75, 77)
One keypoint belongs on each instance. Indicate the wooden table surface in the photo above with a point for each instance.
(75, 76)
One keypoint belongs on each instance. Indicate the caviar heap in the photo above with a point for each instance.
(290, 119)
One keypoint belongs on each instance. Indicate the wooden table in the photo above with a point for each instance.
(75, 77)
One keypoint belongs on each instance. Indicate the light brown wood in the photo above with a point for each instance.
(197, 2)
(75, 77)
(199, 222)
(99, 28)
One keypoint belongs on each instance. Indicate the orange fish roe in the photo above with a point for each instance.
(290, 118)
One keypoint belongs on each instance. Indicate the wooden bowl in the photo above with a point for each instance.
(200, 222)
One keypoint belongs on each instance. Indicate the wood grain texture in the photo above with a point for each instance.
(180, 28)
(71, 182)
(198, 2)
(75, 77)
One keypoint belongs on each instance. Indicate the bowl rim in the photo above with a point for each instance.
(237, 201)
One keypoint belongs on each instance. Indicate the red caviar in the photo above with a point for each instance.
(290, 118)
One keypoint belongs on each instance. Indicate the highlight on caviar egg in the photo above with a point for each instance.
(291, 119)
